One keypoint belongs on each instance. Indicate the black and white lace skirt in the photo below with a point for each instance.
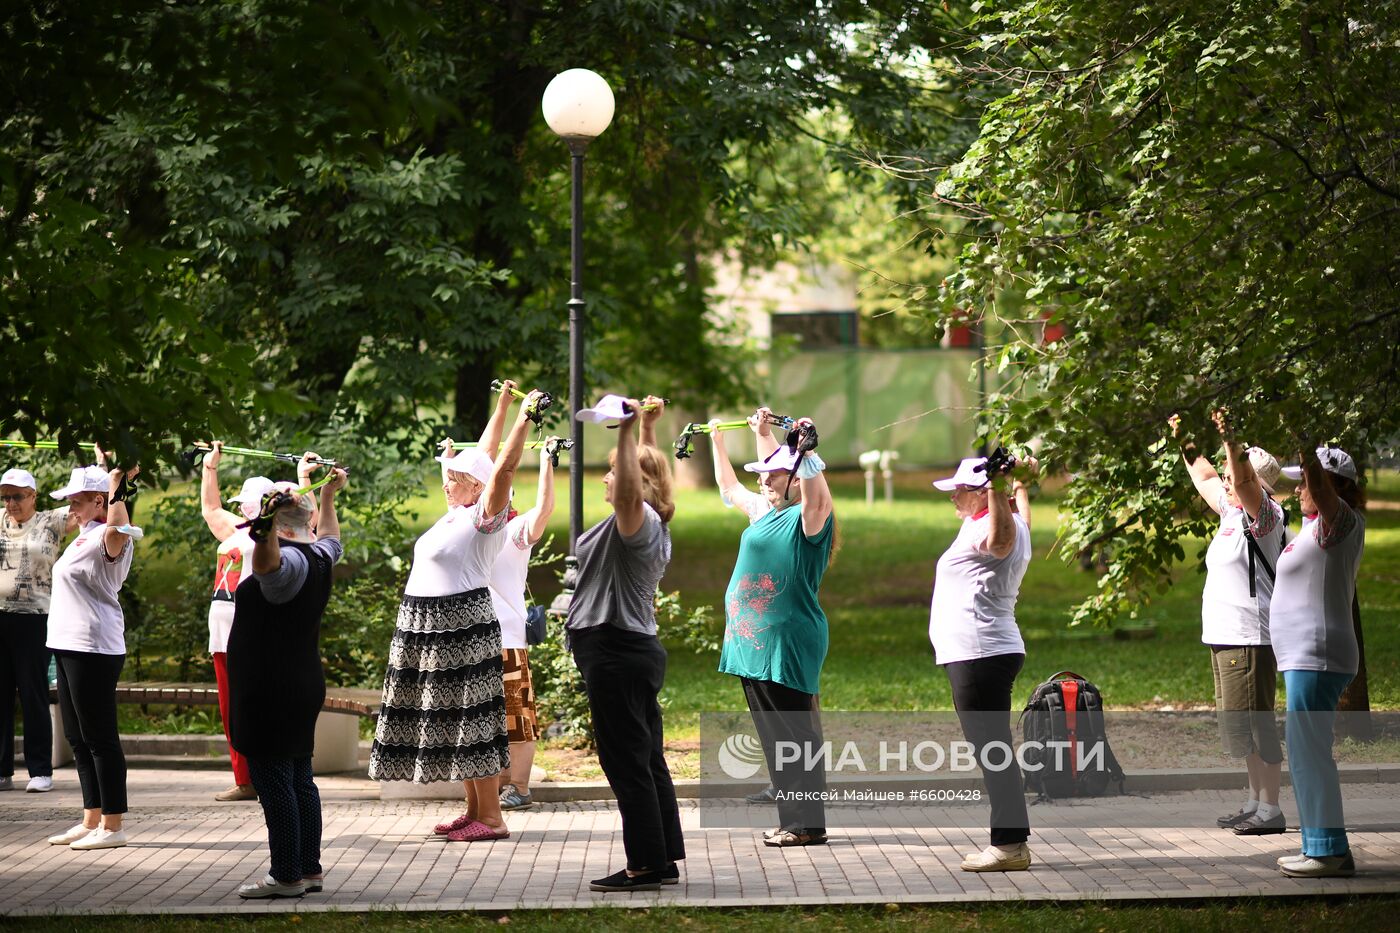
(444, 710)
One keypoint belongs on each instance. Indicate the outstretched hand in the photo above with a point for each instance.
(337, 482)
(653, 406)
(758, 421)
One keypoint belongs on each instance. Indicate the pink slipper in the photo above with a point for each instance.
(477, 831)
(442, 829)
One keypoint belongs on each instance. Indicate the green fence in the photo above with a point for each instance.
(918, 402)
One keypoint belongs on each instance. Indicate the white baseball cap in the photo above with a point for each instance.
(472, 462)
(85, 479)
(607, 408)
(296, 521)
(967, 474)
(783, 459)
(1266, 467)
(1333, 460)
(251, 494)
(22, 478)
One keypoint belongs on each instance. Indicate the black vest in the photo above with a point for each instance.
(276, 683)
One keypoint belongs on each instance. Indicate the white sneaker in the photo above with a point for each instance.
(70, 836)
(995, 859)
(101, 838)
(271, 887)
(39, 785)
(1289, 859)
(1321, 866)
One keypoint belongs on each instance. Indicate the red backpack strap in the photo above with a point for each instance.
(1069, 689)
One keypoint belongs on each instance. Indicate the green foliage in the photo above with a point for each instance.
(106, 299)
(1207, 196)
(262, 206)
(559, 692)
(559, 688)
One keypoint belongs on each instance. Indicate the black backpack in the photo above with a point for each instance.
(1068, 710)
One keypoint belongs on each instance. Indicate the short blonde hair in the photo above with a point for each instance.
(656, 479)
(465, 479)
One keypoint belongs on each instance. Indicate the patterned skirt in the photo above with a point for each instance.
(444, 712)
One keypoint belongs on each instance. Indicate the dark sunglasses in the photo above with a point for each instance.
(17, 497)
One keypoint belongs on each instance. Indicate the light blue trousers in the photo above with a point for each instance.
(1312, 715)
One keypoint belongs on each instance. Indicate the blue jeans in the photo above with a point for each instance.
(1312, 713)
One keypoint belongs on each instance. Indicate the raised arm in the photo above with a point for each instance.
(816, 494)
(222, 523)
(1022, 491)
(1320, 487)
(650, 416)
(118, 516)
(537, 519)
(725, 477)
(763, 432)
(1246, 483)
(490, 440)
(329, 526)
(1001, 537)
(627, 477)
(1203, 475)
(496, 497)
(305, 469)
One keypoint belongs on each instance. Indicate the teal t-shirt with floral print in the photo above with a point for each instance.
(774, 626)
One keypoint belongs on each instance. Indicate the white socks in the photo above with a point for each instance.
(1250, 806)
(1267, 811)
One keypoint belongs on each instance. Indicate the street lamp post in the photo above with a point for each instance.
(577, 105)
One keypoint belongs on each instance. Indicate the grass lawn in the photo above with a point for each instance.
(876, 596)
(877, 591)
(1225, 915)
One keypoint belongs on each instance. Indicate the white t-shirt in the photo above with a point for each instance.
(234, 555)
(456, 554)
(508, 582)
(1311, 614)
(974, 594)
(27, 556)
(84, 614)
(1229, 615)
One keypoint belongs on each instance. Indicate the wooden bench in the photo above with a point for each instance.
(337, 736)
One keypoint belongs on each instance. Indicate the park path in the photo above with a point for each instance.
(188, 854)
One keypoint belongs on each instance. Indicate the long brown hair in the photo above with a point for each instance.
(657, 489)
(1349, 491)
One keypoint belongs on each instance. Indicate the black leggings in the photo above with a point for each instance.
(291, 806)
(782, 714)
(24, 666)
(982, 697)
(87, 700)
(623, 673)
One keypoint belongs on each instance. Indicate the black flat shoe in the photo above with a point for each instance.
(1230, 820)
(621, 881)
(671, 874)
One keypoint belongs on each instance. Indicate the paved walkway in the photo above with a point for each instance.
(188, 854)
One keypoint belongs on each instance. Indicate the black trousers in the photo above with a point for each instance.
(623, 673)
(87, 700)
(24, 669)
(782, 714)
(291, 805)
(982, 697)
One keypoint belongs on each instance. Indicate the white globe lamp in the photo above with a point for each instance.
(578, 104)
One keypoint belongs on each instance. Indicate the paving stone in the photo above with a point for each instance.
(188, 854)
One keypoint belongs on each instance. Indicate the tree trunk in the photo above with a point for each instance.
(1355, 704)
(473, 399)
